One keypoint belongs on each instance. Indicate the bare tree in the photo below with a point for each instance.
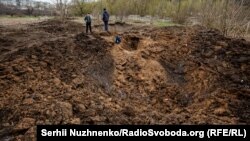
(62, 8)
(18, 3)
(79, 6)
(29, 7)
(231, 17)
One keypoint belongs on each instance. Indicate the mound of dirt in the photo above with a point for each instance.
(173, 75)
(198, 71)
(55, 26)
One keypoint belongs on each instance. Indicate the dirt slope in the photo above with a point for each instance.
(52, 73)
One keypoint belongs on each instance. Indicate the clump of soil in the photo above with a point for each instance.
(54, 74)
(54, 26)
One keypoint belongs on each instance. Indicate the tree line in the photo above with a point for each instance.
(230, 16)
(25, 7)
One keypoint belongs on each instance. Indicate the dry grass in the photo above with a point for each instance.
(19, 21)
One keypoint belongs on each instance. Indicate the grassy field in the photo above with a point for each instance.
(156, 23)
(18, 21)
(164, 24)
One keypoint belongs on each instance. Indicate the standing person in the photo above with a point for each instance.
(105, 19)
(88, 20)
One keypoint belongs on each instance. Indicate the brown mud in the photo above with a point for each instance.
(52, 73)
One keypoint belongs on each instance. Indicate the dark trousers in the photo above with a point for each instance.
(106, 23)
(88, 27)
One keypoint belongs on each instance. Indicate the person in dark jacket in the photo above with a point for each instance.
(88, 20)
(118, 39)
(105, 19)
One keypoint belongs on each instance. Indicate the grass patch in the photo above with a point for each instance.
(137, 21)
(16, 16)
(164, 24)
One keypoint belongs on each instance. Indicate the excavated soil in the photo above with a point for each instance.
(52, 73)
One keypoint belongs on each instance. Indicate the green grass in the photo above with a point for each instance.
(164, 24)
(138, 21)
